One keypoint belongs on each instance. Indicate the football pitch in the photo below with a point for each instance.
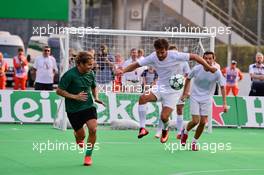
(120, 152)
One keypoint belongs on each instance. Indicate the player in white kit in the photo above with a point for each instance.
(201, 97)
(166, 64)
(183, 70)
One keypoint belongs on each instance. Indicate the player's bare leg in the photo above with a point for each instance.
(195, 120)
(191, 124)
(179, 120)
(143, 100)
(165, 114)
(198, 132)
(79, 137)
(91, 124)
(200, 127)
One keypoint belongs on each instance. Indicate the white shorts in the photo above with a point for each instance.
(167, 99)
(200, 108)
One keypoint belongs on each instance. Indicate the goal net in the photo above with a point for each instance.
(112, 49)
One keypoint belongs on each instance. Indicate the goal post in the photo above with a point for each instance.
(121, 42)
(61, 120)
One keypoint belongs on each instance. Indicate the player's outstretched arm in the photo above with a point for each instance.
(96, 97)
(223, 92)
(82, 96)
(131, 67)
(186, 89)
(201, 61)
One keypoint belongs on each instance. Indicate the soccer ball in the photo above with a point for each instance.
(177, 81)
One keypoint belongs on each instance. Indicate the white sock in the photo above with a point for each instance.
(195, 140)
(160, 126)
(165, 125)
(179, 122)
(185, 129)
(142, 115)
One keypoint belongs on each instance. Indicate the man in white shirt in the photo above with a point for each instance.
(132, 80)
(46, 67)
(201, 97)
(256, 72)
(166, 64)
(183, 70)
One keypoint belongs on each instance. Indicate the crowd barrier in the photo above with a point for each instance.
(44, 106)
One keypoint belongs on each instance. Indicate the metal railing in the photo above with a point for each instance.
(237, 27)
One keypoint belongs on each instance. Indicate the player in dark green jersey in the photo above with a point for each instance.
(78, 86)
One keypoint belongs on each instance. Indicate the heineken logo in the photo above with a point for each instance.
(35, 106)
(28, 106)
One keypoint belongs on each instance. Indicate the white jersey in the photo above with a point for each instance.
(204, 83)
(134, 75)
(256, 70)
(45, 69)
(165, 68)
(185, 69)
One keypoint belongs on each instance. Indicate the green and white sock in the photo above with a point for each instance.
(166, 125)
(89, 152)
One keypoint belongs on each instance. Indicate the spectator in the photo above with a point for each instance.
(141, 53)
(105, 66)
(117, 84)
(28, 59)
(45, 67)
(3, 69)
(20, 70)
(150, 77)
(215, 64)
(256, 72)
(91, 51)
(72, 58)
(31, 76)
(132, 80)
(173, 47)
(233, 75)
